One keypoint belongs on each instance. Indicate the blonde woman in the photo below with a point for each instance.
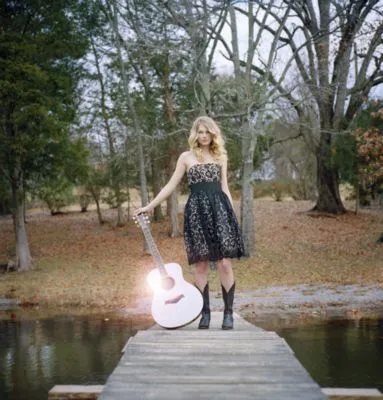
(211, 230)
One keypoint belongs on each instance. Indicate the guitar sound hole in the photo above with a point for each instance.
(167, 283)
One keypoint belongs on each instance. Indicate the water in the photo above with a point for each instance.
(339, 353)
(37, 354)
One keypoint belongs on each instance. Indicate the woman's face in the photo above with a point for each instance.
(203, 136)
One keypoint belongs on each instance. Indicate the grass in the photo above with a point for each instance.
(80, 263)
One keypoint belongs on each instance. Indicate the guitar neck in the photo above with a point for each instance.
(154, 251)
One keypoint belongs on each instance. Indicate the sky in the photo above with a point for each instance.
(223, 66)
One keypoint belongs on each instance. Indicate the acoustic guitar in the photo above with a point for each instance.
(175, 302)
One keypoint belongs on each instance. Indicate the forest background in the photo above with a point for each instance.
(97, 99)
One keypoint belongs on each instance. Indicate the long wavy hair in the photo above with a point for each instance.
(217, 144)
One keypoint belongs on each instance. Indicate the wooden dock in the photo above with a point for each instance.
(188, 363)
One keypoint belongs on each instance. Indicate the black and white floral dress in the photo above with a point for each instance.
(211, 229)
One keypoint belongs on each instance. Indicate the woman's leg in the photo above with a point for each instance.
(201, 274)
(226, 275)
(225, 272)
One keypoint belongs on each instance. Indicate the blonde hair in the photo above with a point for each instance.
(217, 144)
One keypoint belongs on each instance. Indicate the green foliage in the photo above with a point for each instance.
(5, 196)
(56, 194)
(262, 148)
(233, 147)
(345, 157)
(344, 151)
(84, 200)
(369, 143)
(365, 120)
(276, 189)
(96, 180)
(39, 48)
(115, 176)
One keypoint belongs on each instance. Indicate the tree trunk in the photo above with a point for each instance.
(172, 204)
(99, 214)
(157, 185)
(131, 108)
(357, 196)
(247, 196)
(172, 200)
(120, 211)
(96, 197)
(329, 200)
(23, 255)
(174, 226)
(105, 116)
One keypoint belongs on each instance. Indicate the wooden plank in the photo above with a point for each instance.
(91, 392)
(204, 334)
(207, 344)
(216, 357)
(215, 324)
(220, 374)
(351, 393)
(84, 392)
(245, 358)
(213, 391)
(187, 363)
(274, 361)
(200, 351)
(244, 336)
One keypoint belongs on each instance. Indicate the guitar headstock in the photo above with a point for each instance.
(142, 220)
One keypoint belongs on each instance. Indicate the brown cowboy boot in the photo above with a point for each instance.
(205, 314)
(228, 299)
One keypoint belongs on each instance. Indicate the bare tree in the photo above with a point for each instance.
(326, 38)
(110, 136)
(149, 51)
(112, 11)
(252, 100)
(202, 21)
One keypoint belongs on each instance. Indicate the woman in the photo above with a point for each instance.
(211, 230)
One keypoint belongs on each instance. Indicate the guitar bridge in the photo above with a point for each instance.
(175, 299)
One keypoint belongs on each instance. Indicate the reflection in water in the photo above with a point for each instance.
(35, 355)
(340, 353)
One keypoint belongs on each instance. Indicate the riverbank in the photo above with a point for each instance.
(273, 306)
(80, 264)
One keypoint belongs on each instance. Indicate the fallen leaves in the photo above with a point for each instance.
(81, 263)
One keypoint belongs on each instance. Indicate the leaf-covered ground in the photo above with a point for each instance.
(80, 263)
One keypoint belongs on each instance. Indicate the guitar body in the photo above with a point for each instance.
(177, 306)
(175, 302)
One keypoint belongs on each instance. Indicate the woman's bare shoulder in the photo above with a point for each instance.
(186, 155)
(222, 160)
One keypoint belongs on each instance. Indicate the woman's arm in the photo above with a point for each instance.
(168, 188)
(225, 186)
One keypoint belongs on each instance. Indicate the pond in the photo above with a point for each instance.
(343, 353)
(37, 354)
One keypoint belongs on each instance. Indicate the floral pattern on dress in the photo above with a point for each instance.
(211, 229)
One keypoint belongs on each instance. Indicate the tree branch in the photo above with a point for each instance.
(291, 42)
(283, 140)
(360, 79)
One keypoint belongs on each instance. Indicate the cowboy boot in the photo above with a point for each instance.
(205, 314)
(228, 299)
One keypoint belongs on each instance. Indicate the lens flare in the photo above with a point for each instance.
(155, 282)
